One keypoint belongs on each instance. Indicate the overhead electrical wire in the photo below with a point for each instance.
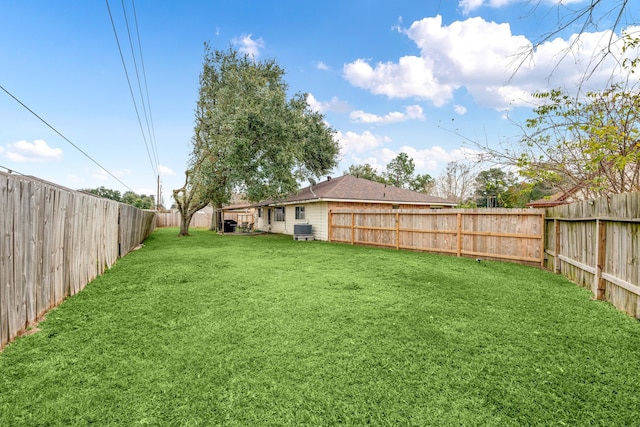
(154, 142)
(135, 66)
(64, 137)
(135, 105)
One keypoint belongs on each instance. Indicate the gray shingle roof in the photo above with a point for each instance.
(348, 187)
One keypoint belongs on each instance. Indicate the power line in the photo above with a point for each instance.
(154, 143)
(131, 89)
(11, 170)
(135, 66)
(64, 137)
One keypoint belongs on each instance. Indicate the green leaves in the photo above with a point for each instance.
(257, 141)
(589, 141)
(400, 173)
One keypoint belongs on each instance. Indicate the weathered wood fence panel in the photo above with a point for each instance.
(199, 219)
(172, 219)
(53, 241)
(508, 234)
(134, 226)
(596, 244)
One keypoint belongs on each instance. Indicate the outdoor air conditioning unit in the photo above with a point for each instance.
(302, 232)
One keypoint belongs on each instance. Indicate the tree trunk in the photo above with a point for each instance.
(214, 222)
(219, 218)
(216, 219)
(185, 220)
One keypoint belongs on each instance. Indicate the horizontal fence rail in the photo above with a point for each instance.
(596, 244)
(505, 234)
(53, 241)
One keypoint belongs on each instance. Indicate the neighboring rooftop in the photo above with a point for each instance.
(348, 187)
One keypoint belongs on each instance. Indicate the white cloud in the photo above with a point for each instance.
(490, 67)
(460, 109)
(429, 159)
(37, 151)
(469, 5)
(322, 107)
(411, 77)
(358, 149)
(249, 46)
(322, 66)
(412, 112)
(165, 170)
(352, 142)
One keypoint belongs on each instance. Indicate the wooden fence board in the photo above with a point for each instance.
(595, 244)
(15, 288)
(6, 221)
(516, 235)
(53, 241)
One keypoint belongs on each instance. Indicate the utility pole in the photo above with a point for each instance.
(158, 195)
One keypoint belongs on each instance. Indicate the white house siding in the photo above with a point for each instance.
(316, 214)
(261, 222)
(283, 227)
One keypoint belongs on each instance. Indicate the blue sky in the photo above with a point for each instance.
(423, 77)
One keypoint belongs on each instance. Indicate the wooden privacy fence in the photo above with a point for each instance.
(199, 219)
(53, 241)
(506, 234)
(172, 219)
(596, 244)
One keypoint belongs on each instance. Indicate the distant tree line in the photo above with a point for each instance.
(493, 187)
(140, 201)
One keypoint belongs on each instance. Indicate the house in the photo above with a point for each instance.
(574, 194)
(311, 205)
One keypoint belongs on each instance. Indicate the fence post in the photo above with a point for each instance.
(397, 231)
(556, 227)
(330, 225)
(542, 237)
(459, 245)
(599, 285)
(353, 228)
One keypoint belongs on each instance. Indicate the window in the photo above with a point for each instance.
(259, 212)
(279, 214)
(299, 212)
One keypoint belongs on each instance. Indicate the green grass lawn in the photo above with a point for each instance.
(267, 331)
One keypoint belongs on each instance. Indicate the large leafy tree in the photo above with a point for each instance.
(102, 191)
(423, 183)
(400, 173)
(365, 171)
(496, 188)
(141, 201)
(249, 136)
